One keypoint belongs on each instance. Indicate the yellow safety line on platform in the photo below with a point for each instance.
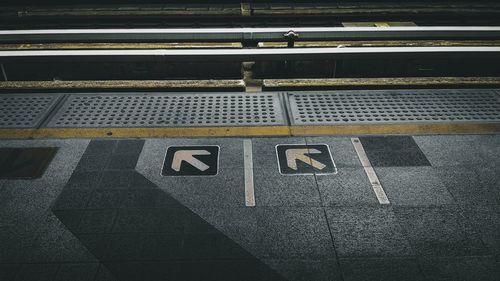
(251, 131)
(16, 133)
(162, 132)
(448, 128)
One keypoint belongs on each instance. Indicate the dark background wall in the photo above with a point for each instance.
(103, 2)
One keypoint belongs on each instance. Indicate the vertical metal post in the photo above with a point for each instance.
(4, 74)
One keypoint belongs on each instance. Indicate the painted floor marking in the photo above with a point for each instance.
(191, 161)
(305, 159)
(370, 172)
(249, 181)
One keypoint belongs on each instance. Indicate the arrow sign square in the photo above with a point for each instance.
(301, 159)
(191, 161)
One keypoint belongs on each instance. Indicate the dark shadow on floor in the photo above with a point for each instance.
(141, 233)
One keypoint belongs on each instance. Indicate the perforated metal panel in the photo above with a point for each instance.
(169, 110)
(25, 111)
(394, 106)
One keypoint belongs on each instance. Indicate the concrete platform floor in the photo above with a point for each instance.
(104, 211)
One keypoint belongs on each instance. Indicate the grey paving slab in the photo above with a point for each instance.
(274, 189)
(489, 147)
(387, 143)
(293, 241)
(37, 272)
(99, 147)
(349, 187)
(240, 224)
(343, 152)
(486, 221)
(96, 221)
(77, 272)
(471, 185)
(13, 244)
(294, 233)
(413, 186)
(375, 269)
(70, 218)
(103, 274)
(367, 232)
(93, 162)
(306, 270)
(264, 151)
(161, 220)
(440, 231)
(397, 158)
(393, 151)
(114, 246)
(105, 199)
(460, 268)
(225, 189)
(451, 150)
(64, 162)
(212, 270)
(72, 199)
(123, 161)
(489, 179)
(84, 180)
(115, 179)
(129, 147)
(25, 209)
(8, 271)
(139, 233)
(230, 154)
(56, 244)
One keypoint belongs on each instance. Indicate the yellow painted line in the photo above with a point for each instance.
(444, 128)
(162, 132)
(251, 131)
(16, 133)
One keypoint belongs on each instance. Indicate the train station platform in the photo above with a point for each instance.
(326, 185)
(282, 208)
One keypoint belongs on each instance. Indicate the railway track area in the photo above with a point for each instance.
(323, 141)
(442, 59)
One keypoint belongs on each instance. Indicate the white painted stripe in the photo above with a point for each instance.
(249, 30)
(251, 52)
(370, 172)
(4, 74)
(248, 161)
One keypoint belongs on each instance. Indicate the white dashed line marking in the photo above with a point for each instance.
(370, 172)
(249, 185)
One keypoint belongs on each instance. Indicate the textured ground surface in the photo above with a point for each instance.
(103, 211)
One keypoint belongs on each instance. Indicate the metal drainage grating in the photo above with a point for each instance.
(25, 111)
(169, 110)
(394, 106)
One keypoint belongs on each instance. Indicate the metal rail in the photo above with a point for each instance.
(262, 34)
(252, 54)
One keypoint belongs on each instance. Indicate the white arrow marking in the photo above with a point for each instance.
(293, 155)
(187, 155)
